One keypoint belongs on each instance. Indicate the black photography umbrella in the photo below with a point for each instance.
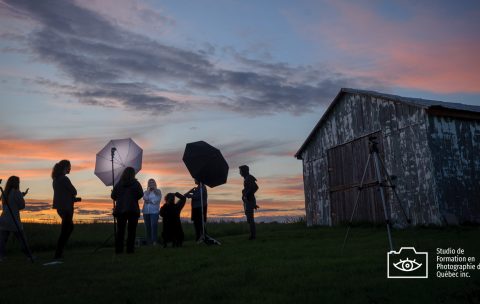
(207, 165)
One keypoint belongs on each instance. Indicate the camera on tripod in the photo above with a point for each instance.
(373, 143)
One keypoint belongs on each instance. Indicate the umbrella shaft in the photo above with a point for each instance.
(113, 172)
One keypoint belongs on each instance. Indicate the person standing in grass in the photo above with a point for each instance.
(8, 224)
(64, 196)
(126, 193)
(151, 209)
(196, 216)
(172, 226)
(248, 197)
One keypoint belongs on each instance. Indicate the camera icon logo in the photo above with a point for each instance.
(407, 263)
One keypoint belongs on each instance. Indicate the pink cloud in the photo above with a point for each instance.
(282, 188)
(34, 158)
(429, 50)
(80, 149)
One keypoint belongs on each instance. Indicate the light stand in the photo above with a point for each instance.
(205, 238)
(113, 186)
(200, 185)
(17, 226)
(113, 150)
(377, 162)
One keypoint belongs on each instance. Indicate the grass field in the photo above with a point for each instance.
(288, 263)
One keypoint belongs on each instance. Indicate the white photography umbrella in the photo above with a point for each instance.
(112, 160)
(115, 157)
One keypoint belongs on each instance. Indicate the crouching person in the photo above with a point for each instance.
(172, 226)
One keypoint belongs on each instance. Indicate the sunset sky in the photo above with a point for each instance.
(249, 77)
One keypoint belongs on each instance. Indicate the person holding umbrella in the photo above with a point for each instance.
(248, 197)
(151, 209)
(195, 195)
(8, 224)
(126, 193)
(64, 196)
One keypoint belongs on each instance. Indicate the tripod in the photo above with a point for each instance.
(378, 164)
(17, 226)
(113, 150)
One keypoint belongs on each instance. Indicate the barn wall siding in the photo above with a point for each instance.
(317, 212)
(457, 165)
(407, 155)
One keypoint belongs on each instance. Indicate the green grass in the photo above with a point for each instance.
(288, 263)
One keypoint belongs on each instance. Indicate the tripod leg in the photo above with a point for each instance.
(356, 201)
(395, 191)
(382, 196)
(114, 235)
(20, 231)
(29, 252)
(103, 244)
(114, 231)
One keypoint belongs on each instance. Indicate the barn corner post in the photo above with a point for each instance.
(455, 136)
(418, 145)
(309, 206)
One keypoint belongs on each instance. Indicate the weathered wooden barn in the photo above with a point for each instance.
(432, 147)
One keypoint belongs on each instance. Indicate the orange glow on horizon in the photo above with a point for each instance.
(32, 160)
(101, 210)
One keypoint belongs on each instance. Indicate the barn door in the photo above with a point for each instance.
(346, 164)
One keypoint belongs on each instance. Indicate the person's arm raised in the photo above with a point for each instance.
(19, 200)
(182, 200)
(189, 194)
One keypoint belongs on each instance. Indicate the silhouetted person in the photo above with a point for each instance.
(196, 217)
(8, 224)
(248, 197)
(64, 196)
(172, 226)
(127, 211)
(151, 209)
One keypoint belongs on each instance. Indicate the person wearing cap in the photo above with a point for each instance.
(248, 197)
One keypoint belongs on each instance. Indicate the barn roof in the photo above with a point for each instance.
(433, 106)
